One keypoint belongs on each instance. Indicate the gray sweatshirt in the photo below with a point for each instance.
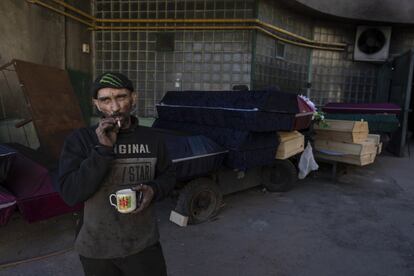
(89, 173)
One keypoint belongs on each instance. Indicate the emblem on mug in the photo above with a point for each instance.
(125, 200)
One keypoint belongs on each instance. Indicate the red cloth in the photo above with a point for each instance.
(303, 119)
(32, 185)
(7, 205)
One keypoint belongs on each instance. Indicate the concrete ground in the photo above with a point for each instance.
(361, 224)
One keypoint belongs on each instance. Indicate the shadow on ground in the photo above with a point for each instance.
(360, 224)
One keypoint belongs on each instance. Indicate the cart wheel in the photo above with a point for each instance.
(280, 176)
(200, 200)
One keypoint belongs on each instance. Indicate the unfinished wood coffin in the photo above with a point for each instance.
(291, 143)
(342, 131)
(361, 154)
(366, 147)
(359, 160)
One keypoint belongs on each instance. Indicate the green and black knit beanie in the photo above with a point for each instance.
(112, 80)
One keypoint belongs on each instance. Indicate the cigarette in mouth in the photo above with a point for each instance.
(118, 122)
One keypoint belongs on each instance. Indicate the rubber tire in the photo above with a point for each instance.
(190, 197)
(280, 176)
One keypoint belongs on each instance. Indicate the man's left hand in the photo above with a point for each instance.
(147, 196)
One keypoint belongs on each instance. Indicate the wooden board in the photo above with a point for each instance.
(178, 219)
(291, 143)
(365, 147)
(376, 138)
(359, 160)
(379, 148)
(342, 131)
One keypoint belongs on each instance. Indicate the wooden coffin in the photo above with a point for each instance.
(366, 147)
(376, 138)
(359, 160)
(291, 143)
(342, 131)
(360, 154)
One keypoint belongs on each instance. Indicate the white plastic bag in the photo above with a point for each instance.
(307, 162)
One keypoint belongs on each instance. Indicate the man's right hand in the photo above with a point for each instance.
(107, 131)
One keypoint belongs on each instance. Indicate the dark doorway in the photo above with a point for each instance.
(400, 87)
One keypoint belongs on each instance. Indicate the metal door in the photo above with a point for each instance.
(383, 83)
(400, 93)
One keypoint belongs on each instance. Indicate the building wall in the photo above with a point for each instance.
(290, 71)
(32, 33)
(402, 40)
(217, 60)
(75, 35)
(201, 60)
(23, 35)
(333, 76)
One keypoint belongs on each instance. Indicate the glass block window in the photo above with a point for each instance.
(175, 60)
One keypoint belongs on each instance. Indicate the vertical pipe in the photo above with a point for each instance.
(3, 107)
(254, 34)
(406, 107)
(310, 74)
(93, 40)
(65, 37)
(310, 68)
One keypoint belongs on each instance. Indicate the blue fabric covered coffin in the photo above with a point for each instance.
(192, 155)
(233, 139)
(256, 110)
(245, 159)
(245, 149)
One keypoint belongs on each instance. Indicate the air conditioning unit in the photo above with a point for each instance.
(372, 43)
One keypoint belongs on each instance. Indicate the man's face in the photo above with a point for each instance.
(116, 103)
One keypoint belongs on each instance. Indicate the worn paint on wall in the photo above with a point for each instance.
(76, 35)
(32, 33)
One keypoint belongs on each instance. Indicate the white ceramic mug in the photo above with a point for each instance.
(126, 200)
